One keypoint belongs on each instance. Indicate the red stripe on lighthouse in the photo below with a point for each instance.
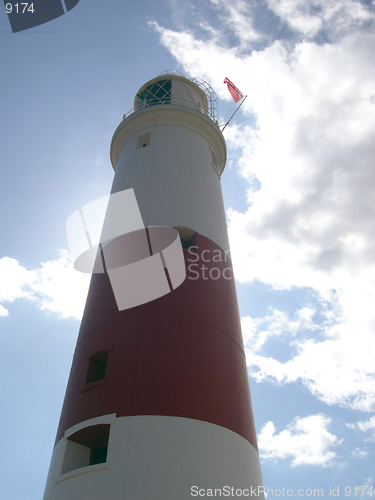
(180, 355)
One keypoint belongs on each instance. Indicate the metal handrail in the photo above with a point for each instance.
(212, 111)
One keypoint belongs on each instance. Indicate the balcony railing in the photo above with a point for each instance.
(211, 111)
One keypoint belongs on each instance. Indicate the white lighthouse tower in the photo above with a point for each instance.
(158, 404)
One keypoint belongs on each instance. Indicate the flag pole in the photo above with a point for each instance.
(243, 100)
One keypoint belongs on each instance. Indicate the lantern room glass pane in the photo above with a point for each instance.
(158, 93)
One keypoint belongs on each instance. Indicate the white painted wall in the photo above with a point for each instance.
(174, 180)
(159, 458)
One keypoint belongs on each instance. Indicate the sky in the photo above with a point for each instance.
(299, 195)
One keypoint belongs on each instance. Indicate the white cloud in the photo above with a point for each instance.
(306, 440)
(238, 17)
(55, 287)
(365, 426)
(338, 369)
(358, 453)
(196, 54)
(257, 331)
(13, 279)
(3, 311)
(311, 223)
(310, 16)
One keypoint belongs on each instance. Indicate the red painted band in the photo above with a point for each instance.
(180, 355)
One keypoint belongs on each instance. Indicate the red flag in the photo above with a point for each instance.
(234, 91)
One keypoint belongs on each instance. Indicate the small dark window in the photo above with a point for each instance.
(85, 447)
(143, 141)
(187, 236)
(188, 243)
(97, 367)
(214, 161)
(99, 454)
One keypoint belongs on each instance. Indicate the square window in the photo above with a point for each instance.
(97, 367)
(143, 141)
(88, 446)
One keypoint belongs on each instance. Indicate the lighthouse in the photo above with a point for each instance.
(157, 405)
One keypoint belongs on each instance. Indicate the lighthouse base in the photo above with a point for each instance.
(155, 457)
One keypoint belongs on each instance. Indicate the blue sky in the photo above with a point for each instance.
(299, 191)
